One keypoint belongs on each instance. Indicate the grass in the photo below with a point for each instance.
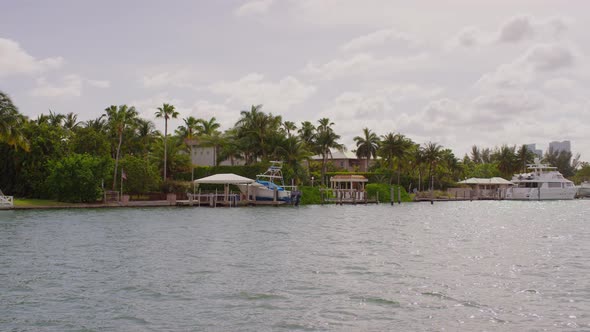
(38, 202)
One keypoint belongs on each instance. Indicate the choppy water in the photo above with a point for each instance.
(470, 266)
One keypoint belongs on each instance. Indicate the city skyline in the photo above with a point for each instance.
(458, 73)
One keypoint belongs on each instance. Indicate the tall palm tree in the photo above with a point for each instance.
(524, 156)
(507, 160)
(432, 155)
(145, 131)
(188, 131)
(70, 121)
(475, 154)
(326, 139)
(167, 111)
(289, 127)
(256, 127)
(367, 146)
(56, 119)
(99, 124)
(119, 118)
(11, 122)
(395, 147)
(307, 132)
(207, 127)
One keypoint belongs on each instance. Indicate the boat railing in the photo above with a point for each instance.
(6, 201)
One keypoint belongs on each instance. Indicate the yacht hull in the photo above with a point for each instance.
(534, 194)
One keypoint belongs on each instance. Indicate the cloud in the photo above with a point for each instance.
(205, 109)
(102, 84)
(380, 37)
(538, 59)
(559, 84)
(253, 89)
(179, 78)
(525, 27)
(509, 104)
(516, 29)
(255, 7)
(69, 86)
(14, 60)
(470, 36)
(364, 64)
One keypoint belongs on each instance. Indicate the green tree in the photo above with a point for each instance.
(432, 155)
(11, 122)
(119, 119)
(326, 139)
(367, 146)
(167, 111)
(77, 177)
(188, 132)
(141, 177)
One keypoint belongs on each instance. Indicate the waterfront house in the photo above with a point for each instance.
(482, 188)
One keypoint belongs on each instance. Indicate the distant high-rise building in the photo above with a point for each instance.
(560, 146)
(533, 148)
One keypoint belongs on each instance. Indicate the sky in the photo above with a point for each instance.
(457, 72)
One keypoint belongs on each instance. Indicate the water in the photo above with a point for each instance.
(471, 266)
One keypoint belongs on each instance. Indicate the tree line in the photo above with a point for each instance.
(57, 156)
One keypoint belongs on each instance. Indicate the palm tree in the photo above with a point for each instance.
(326, 139)
(70, 121)
(475, 154)
(167, 111)
(188, 132)
(146, 132)
(207, 127)
(367, 146)
(506, 159)
(256, 128)
(56, 119)
(99, 124)
(524, 156)
(307, 132)
(11, 122)
(395, 147)
(292, 150)
(289, 127)
(119, 118)
(432, 155)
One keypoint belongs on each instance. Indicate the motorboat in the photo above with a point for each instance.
(268, 186)
(542, 182)
(584, 189)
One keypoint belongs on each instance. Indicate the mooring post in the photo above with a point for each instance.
(399, 195)
(392, 192)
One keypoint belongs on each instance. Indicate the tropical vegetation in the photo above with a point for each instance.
(56, 156)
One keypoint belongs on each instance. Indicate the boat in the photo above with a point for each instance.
(584, 189)
(267, 185)
(543, 182)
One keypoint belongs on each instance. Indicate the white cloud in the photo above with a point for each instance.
(538, 59)
(69, 86)
(179, 78)
(252, 89)
(102, 84)
(525, 27)
(14, 60)
(470, 36)
(254, 7)
(380, 37)
(365, 64)
(559, 83)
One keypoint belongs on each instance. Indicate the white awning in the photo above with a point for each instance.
(225, 178)
(492, 181)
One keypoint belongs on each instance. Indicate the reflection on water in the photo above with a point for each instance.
(453, 266)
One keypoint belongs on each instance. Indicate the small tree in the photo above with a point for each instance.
(78, 177)
(141, 177)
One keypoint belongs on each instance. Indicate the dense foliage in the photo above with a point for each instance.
(36, 153)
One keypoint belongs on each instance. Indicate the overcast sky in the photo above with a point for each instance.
(453, 72)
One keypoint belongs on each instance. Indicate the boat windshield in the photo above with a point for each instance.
(270, 185)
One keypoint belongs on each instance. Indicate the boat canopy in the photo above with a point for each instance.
(225, 178)
(491, 181)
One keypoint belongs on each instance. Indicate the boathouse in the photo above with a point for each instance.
(348, 188)
(482, 188)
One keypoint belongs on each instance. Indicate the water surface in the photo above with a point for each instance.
(473, 266)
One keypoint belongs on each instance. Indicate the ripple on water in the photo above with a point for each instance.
(459, 266)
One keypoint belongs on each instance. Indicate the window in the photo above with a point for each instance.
(554, 185)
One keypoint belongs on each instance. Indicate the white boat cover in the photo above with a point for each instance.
(225, 178)
(494, 180)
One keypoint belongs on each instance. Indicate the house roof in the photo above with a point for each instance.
(494, 180)
(225, 178)
(338, 155)
(348, 178)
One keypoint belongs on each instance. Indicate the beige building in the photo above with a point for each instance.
(345, 160)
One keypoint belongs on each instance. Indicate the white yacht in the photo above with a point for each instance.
(584, 189)
(543, 182)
